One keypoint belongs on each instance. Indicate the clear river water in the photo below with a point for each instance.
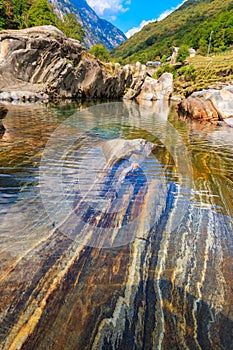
(116, 229)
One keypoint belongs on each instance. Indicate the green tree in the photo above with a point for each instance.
(3, 14)
(100, 52)
(202, 47)
(41, 13)
(182, 54)
(229, 36)
(20, 9)
(12, 13)
(71, 27)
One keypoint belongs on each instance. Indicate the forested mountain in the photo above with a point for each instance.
(75, 21)
(189, 25)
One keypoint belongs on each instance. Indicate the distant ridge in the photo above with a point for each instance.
(190, 25)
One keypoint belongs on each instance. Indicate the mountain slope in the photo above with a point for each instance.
(190, 25)
(97, 29)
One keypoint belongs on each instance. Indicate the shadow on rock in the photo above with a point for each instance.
(3, 113)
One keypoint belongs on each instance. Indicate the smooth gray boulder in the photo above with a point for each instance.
(153, 89)
(43, 63)
(144, 87)
(223, 102)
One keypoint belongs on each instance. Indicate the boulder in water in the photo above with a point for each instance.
(209, 105)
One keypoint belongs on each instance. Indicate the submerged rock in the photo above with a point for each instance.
(43, 63)
(118, 149)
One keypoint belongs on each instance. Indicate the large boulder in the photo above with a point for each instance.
(223, 102)
(153, 89)
(136, 86)
(144, 87)
(43, 62)
(198, 109)
(209, 105)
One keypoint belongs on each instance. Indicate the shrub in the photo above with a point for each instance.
(100, 52)
(165, 68)
(182, 54)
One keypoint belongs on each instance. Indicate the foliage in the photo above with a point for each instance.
(183, 53)
(164, 59)
(190, 25)
(165, 68)
(3, 14)
(41, 13)
(13, 13)
(71, 27)
(100, 52)
(16, 14)
(189, 72)
(203, 73)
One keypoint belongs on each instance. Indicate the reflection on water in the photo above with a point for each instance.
(116, 229)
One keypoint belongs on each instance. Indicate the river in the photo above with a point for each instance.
(116, 229)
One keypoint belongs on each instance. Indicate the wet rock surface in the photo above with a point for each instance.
(3, 111)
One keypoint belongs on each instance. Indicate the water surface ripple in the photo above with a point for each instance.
(116, 226)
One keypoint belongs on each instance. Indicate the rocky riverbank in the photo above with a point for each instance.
(41, 63)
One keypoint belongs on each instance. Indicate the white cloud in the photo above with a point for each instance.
(106, 8)
(163, 15)
(169, 11)
(134, 30)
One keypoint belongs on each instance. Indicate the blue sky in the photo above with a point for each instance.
(131, 15)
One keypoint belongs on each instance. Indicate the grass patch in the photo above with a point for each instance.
(203, 73)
